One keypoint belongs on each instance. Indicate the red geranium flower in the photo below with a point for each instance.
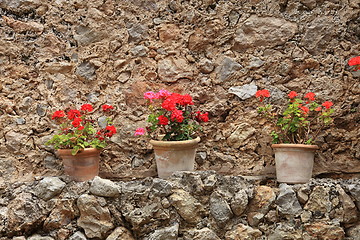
(305, 110)
(163, 120)
(169, 104)
(110, 130)
(202, 117)
(106, 107)
(73, 114)
(58, 114)
(81, 128)
(310, 96)
(177, 115)
(187, 100)
(327, 104)
(87, 107)
(76, 122)
(292, 94)
(262, 94)
(318, 109)
(354, 61)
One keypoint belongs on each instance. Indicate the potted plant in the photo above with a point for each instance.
(173, 125)
(81, 138)
(296, 126)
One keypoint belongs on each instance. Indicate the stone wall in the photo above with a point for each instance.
(54, 54)
(188, 206)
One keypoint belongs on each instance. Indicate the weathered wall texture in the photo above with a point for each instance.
(57, 53)
(188, 206)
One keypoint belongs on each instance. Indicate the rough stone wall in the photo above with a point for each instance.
(188, 206)
(54, 54)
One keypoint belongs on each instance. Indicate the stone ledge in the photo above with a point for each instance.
(188, 206)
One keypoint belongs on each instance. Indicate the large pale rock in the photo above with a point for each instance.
(168, 33)
(287, 202)
(168, 233)
(120, 233)
(78, 236)
(104, 188)
(63, 213)
(39, 237)
(3, 218)
(349, 210)
(239, 134)
(20, 6)
(198, 40)
(263, 32)
(137, 32)
(187, 206)
(319, 201)
(244, 92)
(354, 232)
(21, 27)
(94, 218)
(239, 202)
(220, 209)
(325, 231)
(243, 232)
(355, 193)
(260, 204)
(85, 35)
(172, 69)
(285, 231)
(319, 34)
(15, 140)
(226, 70)
(25, 214)
(49, 187)
(202, 234)
(86, 70)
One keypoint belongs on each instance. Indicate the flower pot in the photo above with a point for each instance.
(83, 166)
(294, 162)
(174, 156)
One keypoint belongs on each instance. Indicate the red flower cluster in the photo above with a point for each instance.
(355, 61)
(262, 94)
(172, 115)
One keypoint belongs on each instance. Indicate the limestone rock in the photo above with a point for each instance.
(137, 32)
(94, 218)
(226, 70)
(21, 27)
(120, 233)
(3, 218)
(319, 200)
(139, 51)
(187, 206)
(202, 234)
(325, 230)
(15, 140)
(220, 209)
(85, 35)
(260, 204)
(206, 66)
(20, 6)
(49, 187)
(239, 135)
(86, 70)
(350, 211)
(243, 232)
(168, 233)
(244, 92)
(263, 31)
(104, 188)
(39, 237)
(286, 231)
(287, 201)
(168, 32)
(239, 202)
(172, 69)
(354, 232)
(355, 193)
(25, 214)
(319, 34)
(198, 40)
(62, 214)
(78, 236)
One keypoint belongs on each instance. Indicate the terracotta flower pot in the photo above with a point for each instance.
(174, 156)
(83, 166)
(294, 162)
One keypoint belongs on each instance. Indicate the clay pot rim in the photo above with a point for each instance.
(292, 145)
(182, 143)
(81, 152)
